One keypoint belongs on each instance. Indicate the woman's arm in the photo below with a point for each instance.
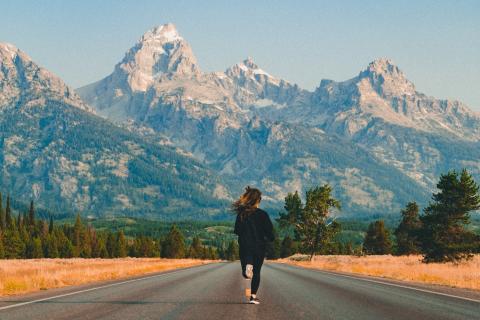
(237, 229)
(267, 226)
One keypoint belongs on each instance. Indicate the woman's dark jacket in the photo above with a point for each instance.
(253, 231)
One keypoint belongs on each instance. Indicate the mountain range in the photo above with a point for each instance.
(160, 137)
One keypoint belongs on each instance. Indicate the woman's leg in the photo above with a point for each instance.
(257, 266)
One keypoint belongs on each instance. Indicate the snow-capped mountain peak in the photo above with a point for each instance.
(163, 33)
(160, 51)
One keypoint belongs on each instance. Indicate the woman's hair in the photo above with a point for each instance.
(245, 205)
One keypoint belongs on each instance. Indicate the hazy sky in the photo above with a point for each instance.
(436, 43)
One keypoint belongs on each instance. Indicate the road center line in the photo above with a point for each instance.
(97, 288)
(392, 284)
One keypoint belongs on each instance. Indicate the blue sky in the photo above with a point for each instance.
(436, 43)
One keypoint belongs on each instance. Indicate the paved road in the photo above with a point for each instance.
(216, 292)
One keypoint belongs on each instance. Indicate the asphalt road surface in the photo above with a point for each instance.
(216, 291)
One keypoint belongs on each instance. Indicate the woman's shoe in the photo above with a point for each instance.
(249, 271)
(254, 300)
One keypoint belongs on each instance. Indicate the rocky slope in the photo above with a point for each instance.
(55, 150)
(247, 125)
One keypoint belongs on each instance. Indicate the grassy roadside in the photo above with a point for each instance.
(406, 268)
(28, 275)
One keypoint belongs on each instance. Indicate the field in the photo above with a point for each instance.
(407, 268)
(22, 276)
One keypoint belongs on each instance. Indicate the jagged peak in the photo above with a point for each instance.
(247, 66)
(163, 33)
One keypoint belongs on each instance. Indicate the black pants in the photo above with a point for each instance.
(254, 258)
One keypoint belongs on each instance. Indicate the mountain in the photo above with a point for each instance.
(381, 111)
(55, 150)
(231, 121)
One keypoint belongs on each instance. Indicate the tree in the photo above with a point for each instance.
(111, 245)
(195, 251)
(13, 244)
(8, 215)
(232, 252)
(310, 222)
(31, 215)
(2, 249)
(78, 230)
(287, 248)
(174, 244)
(443, 233)
(377, 240)
(272, 251)
(3, 224)
(408, 230)
(121, 246)
(51, 247)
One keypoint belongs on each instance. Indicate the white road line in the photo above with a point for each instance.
(96, 288)
(392, 284)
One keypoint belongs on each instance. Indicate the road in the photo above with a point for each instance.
(216, 291)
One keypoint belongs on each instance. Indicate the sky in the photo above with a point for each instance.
(435, 43)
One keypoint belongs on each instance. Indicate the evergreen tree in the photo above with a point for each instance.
(212, 254)
(195, 250)
(408, 230)
(101, 249)
(8, 215)
(121, 246)
(310, 222)
(111, 245)
(174, 244)
(2, 249)
(377, 240)
(50, 225)
(51, 247)
(272, 251)
(13, 244)
(232, 252)
(31, 215)
(37, 250)
(3, 225)
(287, 248)
(443, 233)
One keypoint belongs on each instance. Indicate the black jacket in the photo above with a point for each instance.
(254, 230)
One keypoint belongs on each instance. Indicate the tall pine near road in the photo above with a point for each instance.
(310, 222)
(444, 237)
(407, 231)
(377, 240)
(174, 244)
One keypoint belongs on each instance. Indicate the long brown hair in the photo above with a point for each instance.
(245, 205)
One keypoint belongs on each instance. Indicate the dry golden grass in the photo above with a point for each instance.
(406, 268)
(21, 276)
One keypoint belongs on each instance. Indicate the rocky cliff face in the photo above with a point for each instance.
(55, 150)
(254, 128)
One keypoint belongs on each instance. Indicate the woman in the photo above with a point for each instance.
(254, 229)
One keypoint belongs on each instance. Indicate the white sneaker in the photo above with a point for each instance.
(249, 271)
(254, 300)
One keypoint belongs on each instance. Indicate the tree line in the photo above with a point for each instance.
(440, 234)
(24, 236)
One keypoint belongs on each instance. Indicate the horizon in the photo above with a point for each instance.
(416, 43)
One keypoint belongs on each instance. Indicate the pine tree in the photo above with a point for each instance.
(287, 248)
(174, 244)
(13, 244)
(443, 234)
(272, 251)
(111, 245)
(2, 249)
(37, 250)
(195, 250)
(31, 215)
(377, 240)
(121, 246)
(50, 225)
(310, 221)
(408, 230)
(51, 247)
(232, 252)
(8, 215)
(3, 224)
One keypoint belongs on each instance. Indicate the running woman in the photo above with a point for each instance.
(254, 229)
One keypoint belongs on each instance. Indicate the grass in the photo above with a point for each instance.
(22, 276)
(406, 268)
